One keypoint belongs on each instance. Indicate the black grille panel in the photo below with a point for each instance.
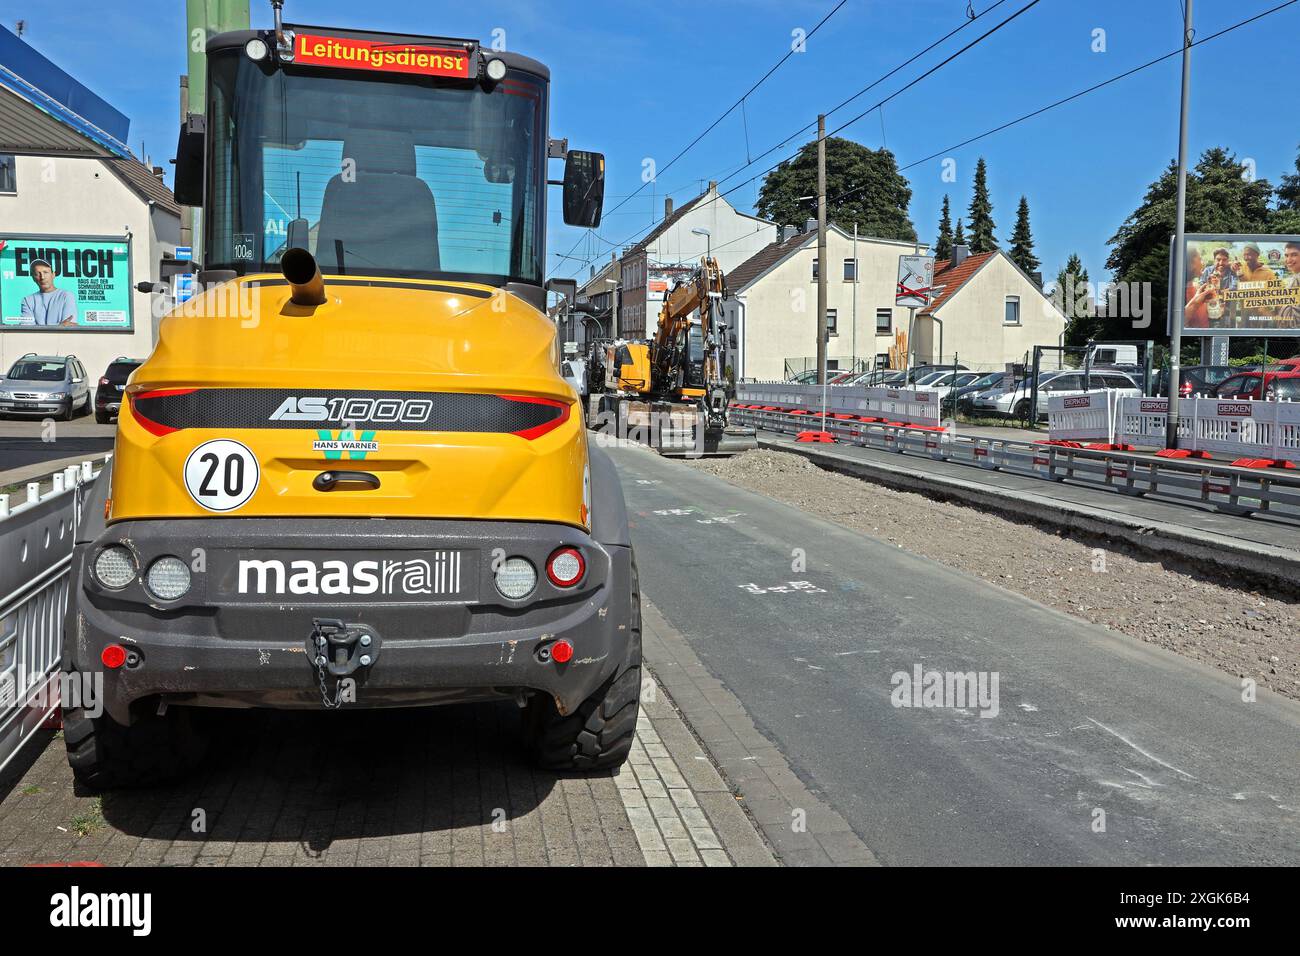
(387, 411)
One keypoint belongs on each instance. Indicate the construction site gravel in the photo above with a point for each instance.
(1245, 633)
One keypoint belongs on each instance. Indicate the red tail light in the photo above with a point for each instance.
(566, 567)
(113, 656)
(1185, 389)
(103, 381)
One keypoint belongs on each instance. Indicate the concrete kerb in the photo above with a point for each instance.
(1239, 563)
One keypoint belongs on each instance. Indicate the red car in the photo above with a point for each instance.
(1254, 384)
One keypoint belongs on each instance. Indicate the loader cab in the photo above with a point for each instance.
(382, 155)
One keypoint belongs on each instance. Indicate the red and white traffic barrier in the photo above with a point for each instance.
(1240, 429)
(1082, 418)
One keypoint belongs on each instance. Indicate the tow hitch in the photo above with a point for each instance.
(340, 649)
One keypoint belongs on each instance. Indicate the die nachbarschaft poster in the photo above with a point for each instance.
(51, 283)
(1243, 285)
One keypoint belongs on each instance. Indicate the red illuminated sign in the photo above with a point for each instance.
(383, 56)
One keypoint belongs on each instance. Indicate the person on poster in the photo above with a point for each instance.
(1196, 295)
(1227, 279)
(1289, 315)
(48, 305)
(1249, 268)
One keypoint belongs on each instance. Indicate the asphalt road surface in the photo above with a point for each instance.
(22, 440)
(1103, 750)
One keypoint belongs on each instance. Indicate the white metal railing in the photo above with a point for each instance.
(36, 541)
(1226, 488)
(913, 406)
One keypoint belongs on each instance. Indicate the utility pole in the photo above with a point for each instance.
(855, 297)
(823, 267)
(1180, 241)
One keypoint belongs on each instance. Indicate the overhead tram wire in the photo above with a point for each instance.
(1081, 93)
(789, 53)
(981, 38)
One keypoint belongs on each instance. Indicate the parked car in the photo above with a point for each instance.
(108, 394)
(1015, 401)
(1251, 384)
(1283, 387)
(1194, 379)
(45, 386)
(807, 377)
(990, 380)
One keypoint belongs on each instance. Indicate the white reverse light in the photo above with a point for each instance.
(115, 567)
(516, 578)
(168, 578)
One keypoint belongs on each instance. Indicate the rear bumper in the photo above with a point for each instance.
(219, 647)
(35, 409)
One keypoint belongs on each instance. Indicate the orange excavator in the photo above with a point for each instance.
(676, 382)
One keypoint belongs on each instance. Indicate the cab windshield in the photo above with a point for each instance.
(375, 175)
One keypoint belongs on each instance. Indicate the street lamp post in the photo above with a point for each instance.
(708, 241)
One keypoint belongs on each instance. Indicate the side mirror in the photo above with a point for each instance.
(189, 160)
(564, 288)
(584, 188)
(146, 287)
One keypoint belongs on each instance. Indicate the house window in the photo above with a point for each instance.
(884, 321)
(8, 174)
(831, 322)
(850, 270)
(816, 269)
(1012, 316)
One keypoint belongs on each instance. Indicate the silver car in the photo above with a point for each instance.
(45, 386)
(1014, 401)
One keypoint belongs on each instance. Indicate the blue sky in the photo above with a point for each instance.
(640, 80)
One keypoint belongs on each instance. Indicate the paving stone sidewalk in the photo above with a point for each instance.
(442, 787)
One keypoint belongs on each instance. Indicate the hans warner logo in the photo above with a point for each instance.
(75, 909)
(413, 576)
(346, 441)
(953, 690)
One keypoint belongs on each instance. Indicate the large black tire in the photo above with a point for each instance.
(103, 417)
(598, 735)
(154, 750)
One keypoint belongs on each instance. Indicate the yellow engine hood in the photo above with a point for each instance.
(448, 395)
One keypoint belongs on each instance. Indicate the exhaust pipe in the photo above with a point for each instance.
(305, 282)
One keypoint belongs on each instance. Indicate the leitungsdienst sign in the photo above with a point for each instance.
(49, 283)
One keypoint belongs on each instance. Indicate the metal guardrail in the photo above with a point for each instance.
(36, 538)
(1231, 490)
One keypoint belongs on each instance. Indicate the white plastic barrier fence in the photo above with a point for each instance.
(902, 405)
(1089, 417)
(1235, 428)
(1143, 422)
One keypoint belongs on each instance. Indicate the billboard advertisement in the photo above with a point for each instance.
(1241, 285)
(51, 283)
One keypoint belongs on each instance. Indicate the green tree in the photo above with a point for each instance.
(959, 237)
(981, 213)
(863, 186)
(943, 244)
(1220, 199)
(1022, 241)
(1288, 192)
(1072, 296)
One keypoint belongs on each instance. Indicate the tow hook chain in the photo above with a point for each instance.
(341, 649)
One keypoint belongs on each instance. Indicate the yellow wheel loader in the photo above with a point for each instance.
(351, 473)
